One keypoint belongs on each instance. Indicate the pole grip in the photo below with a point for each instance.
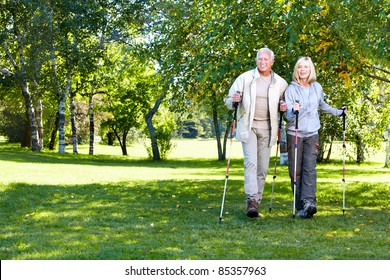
(280, 120)
(235, 106)
(343, 108)
(296, 116)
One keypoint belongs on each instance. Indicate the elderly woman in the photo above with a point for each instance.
(304, 97)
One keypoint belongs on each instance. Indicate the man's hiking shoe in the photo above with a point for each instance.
(252, 211)
(309, 209)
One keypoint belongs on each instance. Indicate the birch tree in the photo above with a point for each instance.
(72, 26)
(18, 36)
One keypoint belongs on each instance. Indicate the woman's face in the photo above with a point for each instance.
(304, 70)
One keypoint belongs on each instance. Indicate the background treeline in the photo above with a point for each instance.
(119, 71)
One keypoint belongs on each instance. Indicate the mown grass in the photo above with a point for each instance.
(112, 207)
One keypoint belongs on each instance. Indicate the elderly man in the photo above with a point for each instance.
(258, 92)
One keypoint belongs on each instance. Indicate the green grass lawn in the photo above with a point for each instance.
(112, 207)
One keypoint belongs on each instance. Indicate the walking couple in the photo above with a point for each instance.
(261, 93)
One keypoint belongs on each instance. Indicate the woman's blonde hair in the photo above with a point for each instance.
(312, 77)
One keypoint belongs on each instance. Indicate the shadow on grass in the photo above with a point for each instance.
(333, 169)
(177, 220)
(104, 160)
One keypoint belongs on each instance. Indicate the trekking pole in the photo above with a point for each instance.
(344, 151)
(277, 148)
(295, 157)
(235, 105)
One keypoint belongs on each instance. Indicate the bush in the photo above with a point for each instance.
(12, 126)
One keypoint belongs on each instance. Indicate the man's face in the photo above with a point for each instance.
(264, 63)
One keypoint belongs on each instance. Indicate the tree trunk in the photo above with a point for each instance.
(225, 139)
(359, 150)
(329, 151)
(122, 141)
(387, 146)
(152, 131)
(32, 120)
(54, 131)
(61, 130)
(91, 125)
(387, 153)
(110, 138)
(324, 141)
(61, 107)
(153, 138)
(39, 118)
(21, 74)
(124, 146)
(61, 95)
(321, 148)
(221, 155)
(73, 122)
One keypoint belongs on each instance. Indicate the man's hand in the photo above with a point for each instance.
(282, 106)
(237, 97)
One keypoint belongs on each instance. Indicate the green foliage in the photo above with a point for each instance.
(12, 114)
(202, 46)
(70, 36)
(11, 126)
(199, 48)
(198, 124)
(129, 92)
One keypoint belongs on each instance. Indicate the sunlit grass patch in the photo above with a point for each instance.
(112, 207)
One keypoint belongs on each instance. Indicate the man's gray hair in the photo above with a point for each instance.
(271, 53)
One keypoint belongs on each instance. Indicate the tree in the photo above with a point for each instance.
(203, 45)
(155, 152)
(160, 131)
(74, 26)
(56, 49)
(129, 93)
(122, 20)
(19, 37)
